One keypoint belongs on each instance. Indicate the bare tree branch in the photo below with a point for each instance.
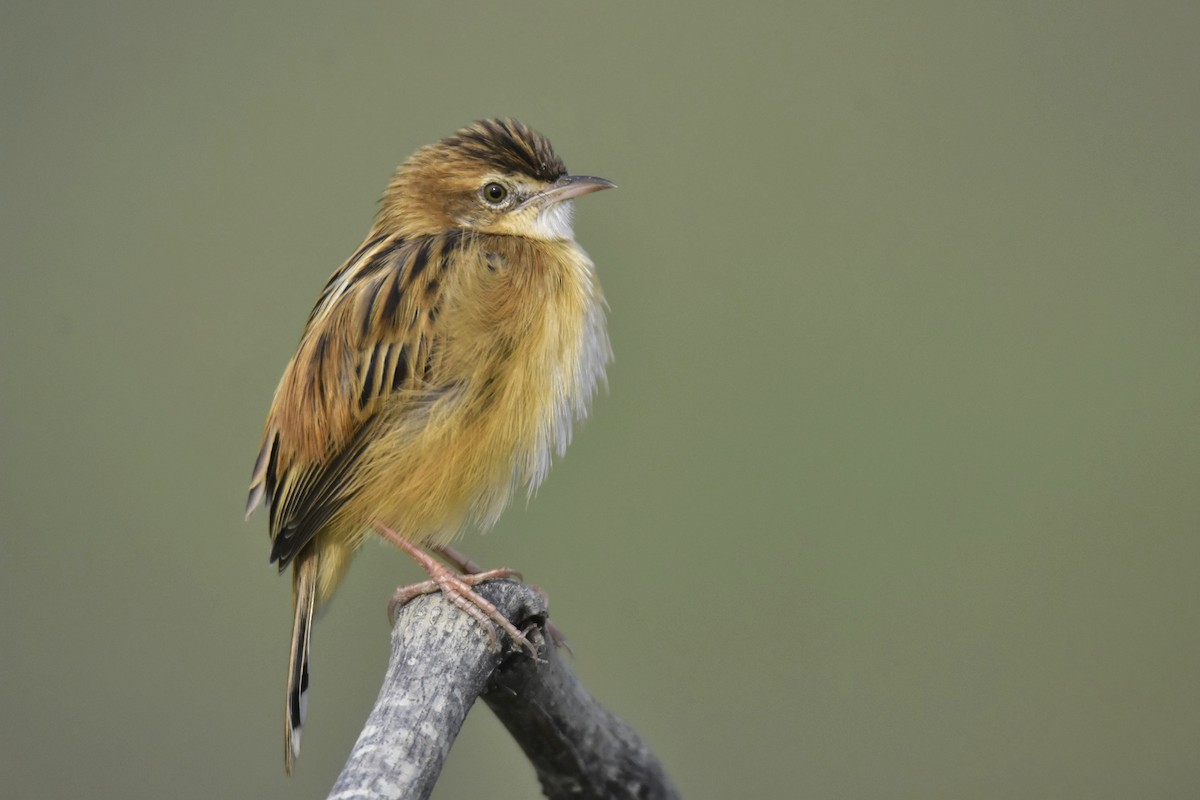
(441, 662)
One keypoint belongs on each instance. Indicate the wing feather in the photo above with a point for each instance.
(375, 319)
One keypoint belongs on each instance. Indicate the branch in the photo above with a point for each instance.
(441, 662)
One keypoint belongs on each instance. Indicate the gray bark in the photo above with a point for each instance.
(442, 661)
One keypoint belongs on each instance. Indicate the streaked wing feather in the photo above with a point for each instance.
(319, 493)
(371, 336)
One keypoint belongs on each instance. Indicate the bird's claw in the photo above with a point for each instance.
(458, 590)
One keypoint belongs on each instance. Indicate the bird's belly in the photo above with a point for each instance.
(456, 460)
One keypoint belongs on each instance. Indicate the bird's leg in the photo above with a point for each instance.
(464, 564)
(460, 561)
(455, 588)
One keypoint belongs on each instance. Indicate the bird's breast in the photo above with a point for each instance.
(546, 349)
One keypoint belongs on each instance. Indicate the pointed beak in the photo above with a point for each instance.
(570, 186)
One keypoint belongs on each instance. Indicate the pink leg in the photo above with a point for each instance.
(460, 561)
(465, 565)
(455, 588)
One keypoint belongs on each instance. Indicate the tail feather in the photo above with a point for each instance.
(304, 600)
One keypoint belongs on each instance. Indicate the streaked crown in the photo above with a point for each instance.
(508, 146)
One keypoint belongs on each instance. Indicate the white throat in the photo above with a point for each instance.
(554, 221)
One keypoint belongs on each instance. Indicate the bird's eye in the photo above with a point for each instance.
(495, 193)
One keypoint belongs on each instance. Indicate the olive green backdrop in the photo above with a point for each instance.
(896, 492)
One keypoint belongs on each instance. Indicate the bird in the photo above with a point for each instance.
(441, 369)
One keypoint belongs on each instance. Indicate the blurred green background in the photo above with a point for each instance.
(895, 493)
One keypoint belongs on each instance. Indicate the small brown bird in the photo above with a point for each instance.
(441, 369)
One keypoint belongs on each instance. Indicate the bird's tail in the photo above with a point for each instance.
(304, 599)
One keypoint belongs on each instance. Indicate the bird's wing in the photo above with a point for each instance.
(371, 336)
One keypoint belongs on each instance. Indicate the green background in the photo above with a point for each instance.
(895, 492)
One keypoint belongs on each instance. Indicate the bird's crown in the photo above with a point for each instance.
(509, 146)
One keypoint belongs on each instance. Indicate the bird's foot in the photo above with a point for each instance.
(464, 564)
(458, 590)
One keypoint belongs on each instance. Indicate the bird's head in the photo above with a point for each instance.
(496, 176)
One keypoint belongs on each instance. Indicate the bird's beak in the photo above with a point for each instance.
(569, 186)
